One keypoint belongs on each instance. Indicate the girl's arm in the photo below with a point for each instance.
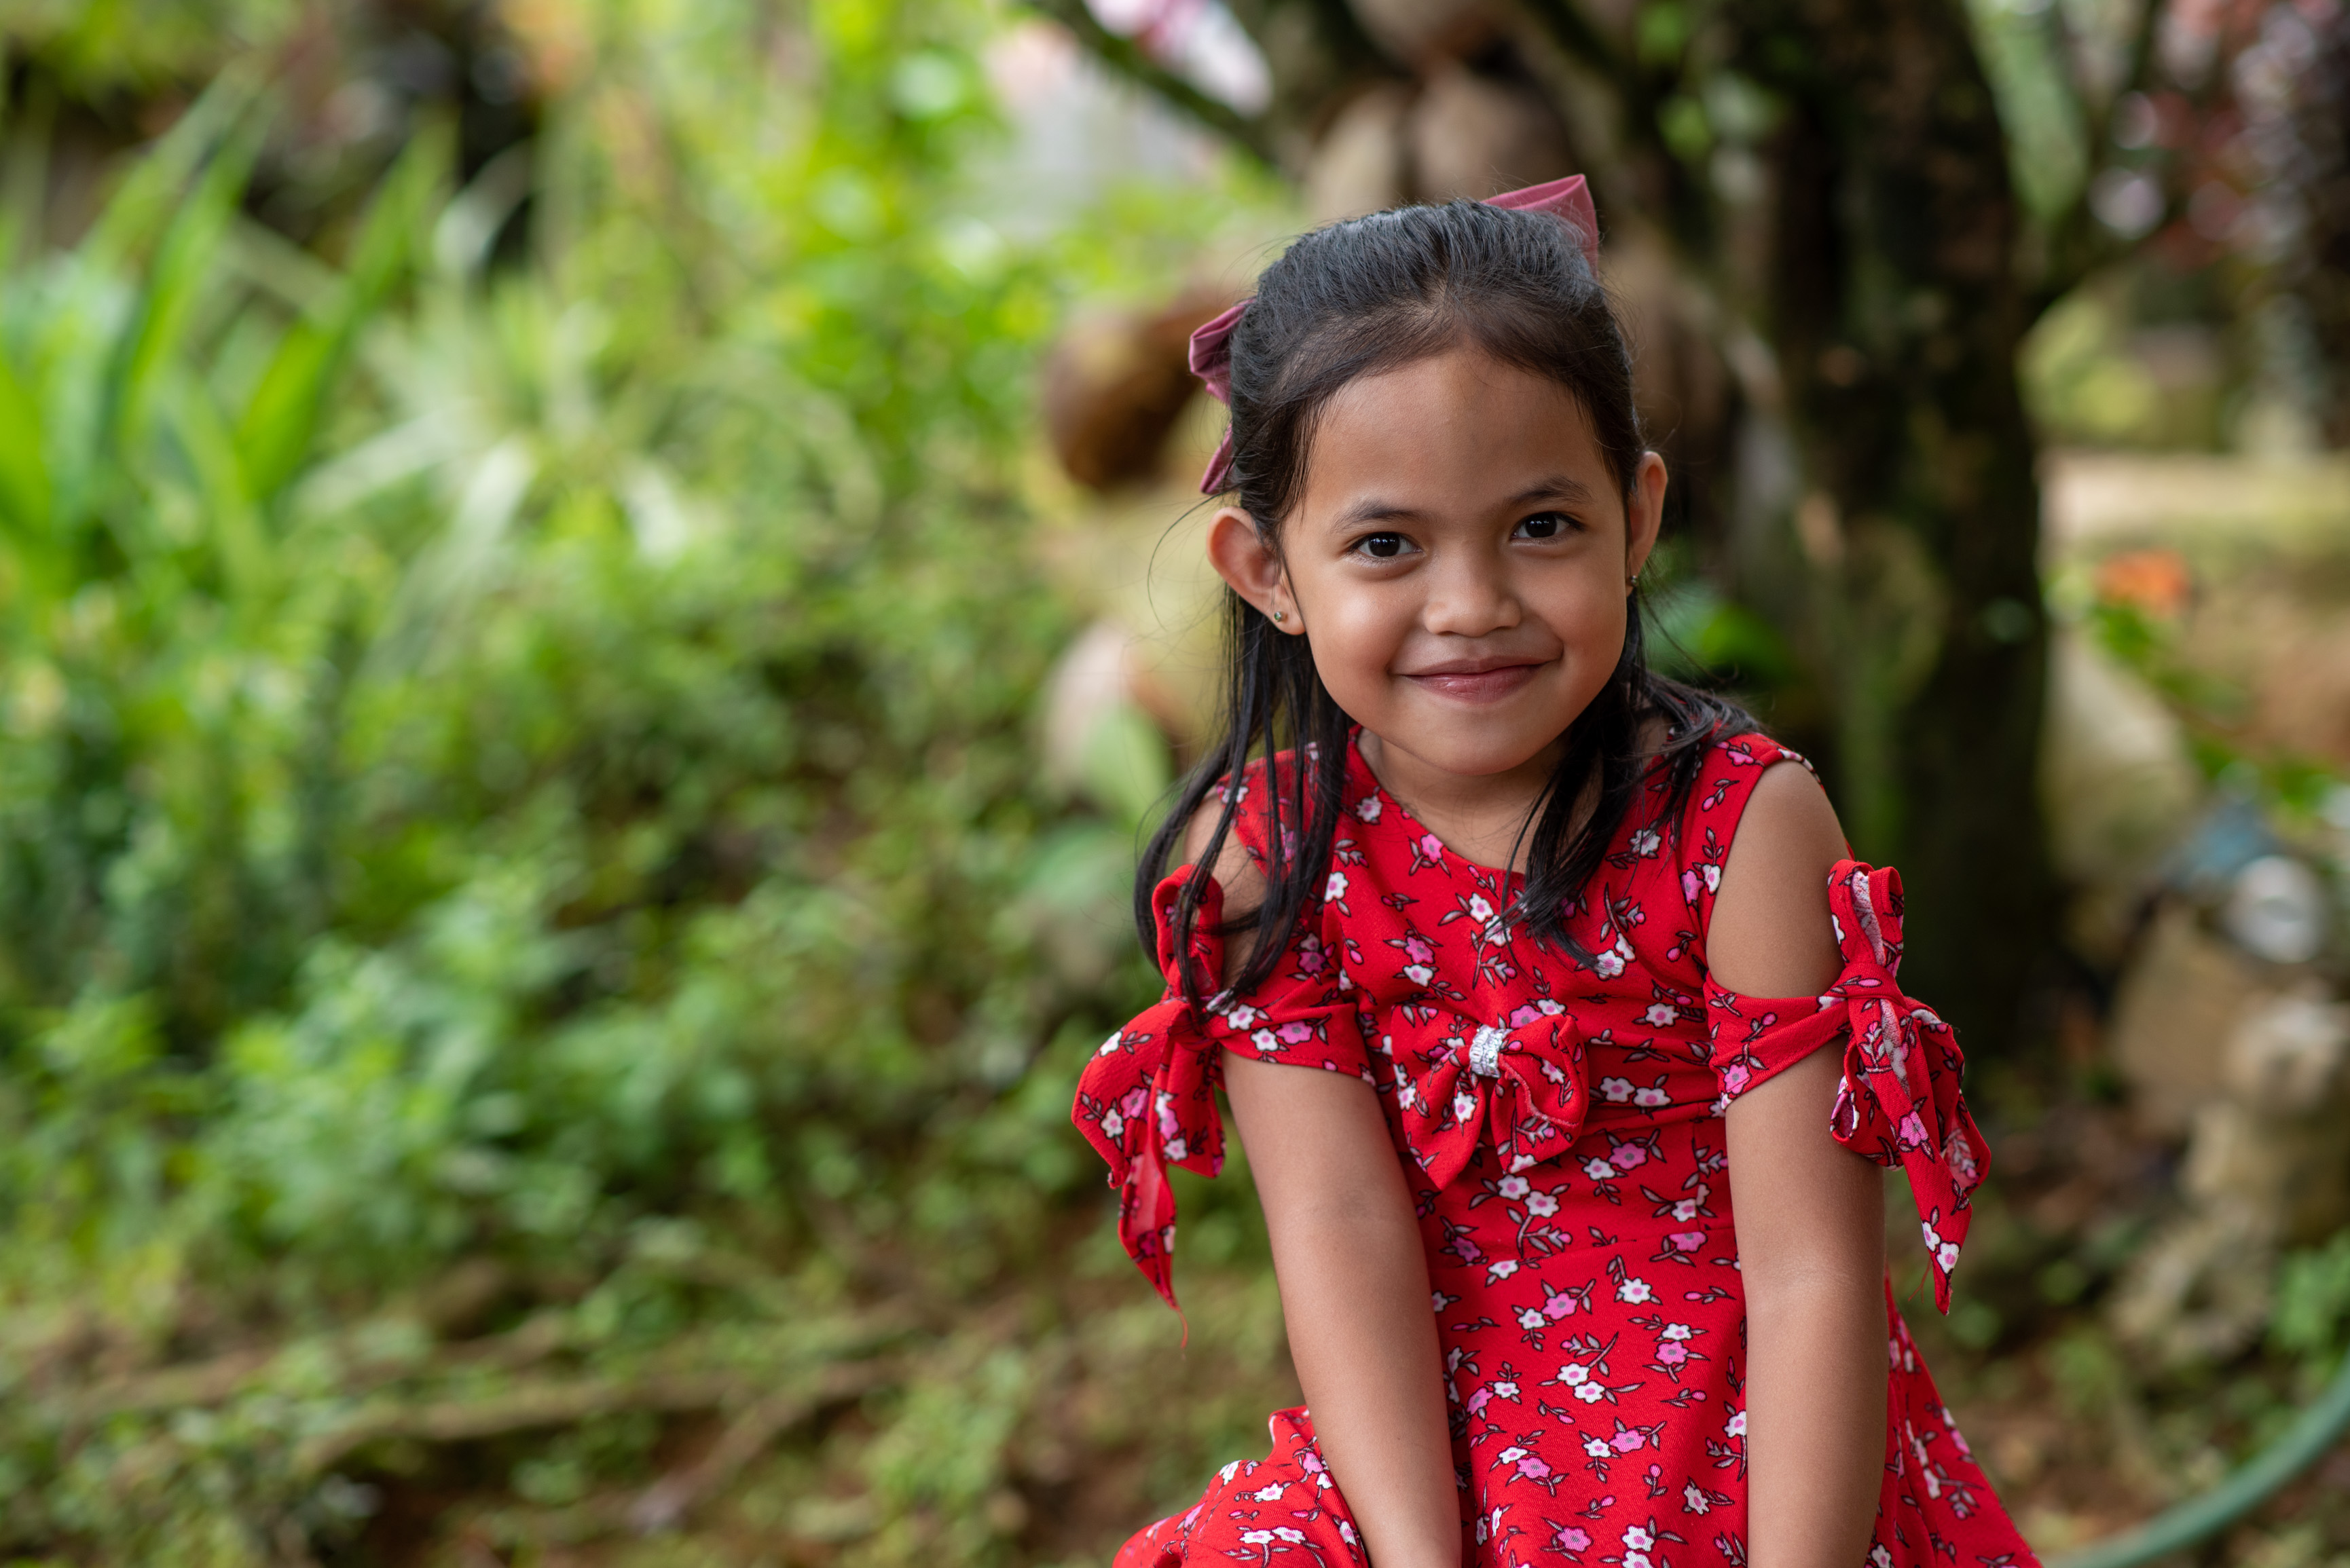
(1810, 1212)
(1355, 1292)
(1354, 1281)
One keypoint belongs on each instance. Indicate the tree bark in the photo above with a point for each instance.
(1895, 312)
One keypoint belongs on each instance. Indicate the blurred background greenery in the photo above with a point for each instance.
(593, 594)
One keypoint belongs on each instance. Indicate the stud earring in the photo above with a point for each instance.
(1632, 582)
(1280, 616)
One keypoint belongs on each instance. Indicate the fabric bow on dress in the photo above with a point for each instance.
(1147, 1098)
(1518, 1083)
(1211, 352)
(1898, 1101)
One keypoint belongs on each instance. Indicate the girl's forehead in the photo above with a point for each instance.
(1460, 419)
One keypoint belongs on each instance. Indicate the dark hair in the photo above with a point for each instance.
(1351, 300)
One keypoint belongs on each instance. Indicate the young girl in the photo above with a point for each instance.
(1518, 964)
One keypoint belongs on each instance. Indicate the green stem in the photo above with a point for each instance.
(2176, 1528)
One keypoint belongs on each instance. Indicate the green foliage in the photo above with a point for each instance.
(527, 911)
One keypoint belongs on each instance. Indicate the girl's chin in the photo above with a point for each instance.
(1485, 745)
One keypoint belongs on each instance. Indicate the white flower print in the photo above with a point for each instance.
(1256, 1537)
(1464, 1106)
(1686, 1210)
(1677, 1331)
(1635, 1560)
(1512, 1187)
(1639, 1539)
(1269, 1494)
(1617, 1090)
(1661, 1014)
(1647, 842)
(1598, 1169)
(1633, 1291)
(1367, 808)
(1736, 1425)
(1289, 1534)
(1335, 889)
(1110, 1046)
(1531, 1317)
(1573, 1374)
(1693, 1498)
(1542, 1203)
(1479, 910)
(1112, 1124)
(1265, 1040)
(1502, 1270)
(1651, 1096)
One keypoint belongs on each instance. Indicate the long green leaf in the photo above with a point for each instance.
(184, 263)
(145, 200)
(23, 470)
(277, 435)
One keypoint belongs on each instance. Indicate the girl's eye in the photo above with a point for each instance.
(1382, 546)
(1543, 525)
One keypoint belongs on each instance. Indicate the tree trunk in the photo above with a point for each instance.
(1895, 312)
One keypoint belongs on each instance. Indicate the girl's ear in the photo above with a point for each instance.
(1643, 512)
(1244, 559)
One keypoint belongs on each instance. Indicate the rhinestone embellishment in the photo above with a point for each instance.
(1485, 1051)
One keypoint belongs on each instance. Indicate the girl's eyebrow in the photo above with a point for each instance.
(1377, 509)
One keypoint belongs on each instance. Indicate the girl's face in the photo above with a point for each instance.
(1458, 559)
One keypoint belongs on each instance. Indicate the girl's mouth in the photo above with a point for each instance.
(1474, 681)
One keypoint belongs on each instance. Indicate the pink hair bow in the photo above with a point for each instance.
(1211, 351)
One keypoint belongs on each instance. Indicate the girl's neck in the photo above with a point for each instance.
(1481, 817)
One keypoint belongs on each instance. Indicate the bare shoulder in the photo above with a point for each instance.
(1770, 934)
(1235, 871)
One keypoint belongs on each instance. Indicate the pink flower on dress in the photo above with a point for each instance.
(1570, 1538)
(1627, 1441)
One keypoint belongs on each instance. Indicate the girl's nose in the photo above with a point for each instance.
(1469, 597)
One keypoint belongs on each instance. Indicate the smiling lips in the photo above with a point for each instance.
(1476, 679)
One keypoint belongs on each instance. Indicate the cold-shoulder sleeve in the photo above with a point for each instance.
(1147, 1098)
(1899, 1100)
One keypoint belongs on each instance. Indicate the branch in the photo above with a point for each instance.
(1124, 56)
(1573, 31)
(2079, 244)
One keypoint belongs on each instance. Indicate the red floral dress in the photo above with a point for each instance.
(1561, 1124)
